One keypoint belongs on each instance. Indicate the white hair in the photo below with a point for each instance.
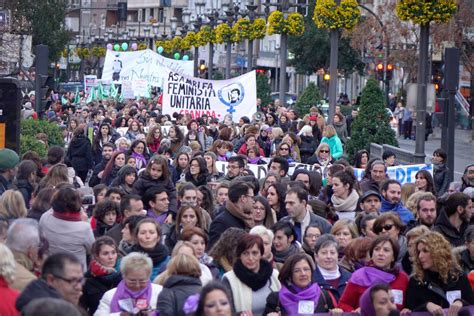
(136, 261)
(306, 130)
(261, 230)
(7, 264)
(23, 234)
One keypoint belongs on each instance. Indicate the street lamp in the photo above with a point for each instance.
(251, 8)
(197, 23)
(232, 13)
(174, 26)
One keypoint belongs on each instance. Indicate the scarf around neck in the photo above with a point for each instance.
(281, 256)
(347, 204)
(290, 299)
(157, 254)
(68, 216)
(330, 275)
(97, 269)
(368, 276)
(237, 212)
(140, 300)
(253, 280)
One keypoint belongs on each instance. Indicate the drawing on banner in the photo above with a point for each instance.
(116, 68)
(232, 95)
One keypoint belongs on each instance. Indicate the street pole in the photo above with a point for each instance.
(227, 59)
(250, 56)
(196, 53)
(421, 93)
(211, 58)
(333, 73)
(283, 50)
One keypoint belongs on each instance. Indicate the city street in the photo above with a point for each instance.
(464, 148)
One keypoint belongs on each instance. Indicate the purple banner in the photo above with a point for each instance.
(470, 308)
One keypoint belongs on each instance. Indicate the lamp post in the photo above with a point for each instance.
(231, 13)
(146, 31)
(251, 8)
(174, 26)
(213, 17)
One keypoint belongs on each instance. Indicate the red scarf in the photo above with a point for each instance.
(68, 216)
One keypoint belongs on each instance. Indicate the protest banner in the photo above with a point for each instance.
(90, 81)
(467, 310)
(215, 98)
(127, 90)
(142, 65)
(403, 174)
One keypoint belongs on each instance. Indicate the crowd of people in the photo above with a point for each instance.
(135, 216)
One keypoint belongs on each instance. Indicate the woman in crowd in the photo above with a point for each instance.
(41, 203)
(340, 127)
(215, 299)
(276, 198)
(366, 225)
(26, 180)
(390, 224)
(250, 142)
(176, 137)
(252, 278)
(182, 281)
(63, 226)
(133, 131)
(311, 235)
(222, 149)
(198, 239)
(253, 156)
(440, 171)
(412, 235)
(335, 144)
(188, 216)
(153, 139)
(223, 252)
(148, 240)
(328, 273)
(299, 294)
(136, 287)
(271, 119)
(126, 177)
(138, 151)
(181, 163)
(79, 154)
(103, 274)
(322, 158)
(112, 168)
(380, 269)
(8, 266)
(309, 143)
(356, 254)
(345, 197)
(277, 138)
(264, 140)
(270, 178)
(123, 144)
(284, 242)
(437, 282)
(197, 173)
(106, 213)
(12, 205)
(263, 213)
(214, 174)
(284, 151)
(361, 159)
(377, 301)
(129, 225)
(345, 231)
(267, 237)
(424, 182)
(104, 135)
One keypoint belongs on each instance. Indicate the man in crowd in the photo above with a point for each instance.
(130, 205)
(378, 174)
(453, 221)
(107, 151)
(61, 277)
(280, 166)
(468, 177)
(391, 200)
(8, 167)
(296, 202)
(156, 201)
(187, 195)
(235, 167)
(238, 211)
(425, 211)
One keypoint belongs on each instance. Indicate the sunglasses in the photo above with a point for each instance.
(284, 148)
(387, 227)
(324, 151)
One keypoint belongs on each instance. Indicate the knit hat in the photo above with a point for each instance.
(8, 159)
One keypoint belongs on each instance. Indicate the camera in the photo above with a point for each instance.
(88, 199)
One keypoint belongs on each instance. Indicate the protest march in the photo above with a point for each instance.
(155, 192)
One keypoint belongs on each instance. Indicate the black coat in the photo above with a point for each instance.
(441, 179)
(308, 146)
(454, 236)
(274, 306)
(221, 223)
(325, 285)
(26, 190)
(433, 290)
(94, 289)
(145, 182)
(175, 292)
(36, 289)
(95, 180)
(79, 154)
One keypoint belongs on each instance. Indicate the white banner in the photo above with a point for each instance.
(403, 174)
(142, 65)
(215, 98)
(89, 82)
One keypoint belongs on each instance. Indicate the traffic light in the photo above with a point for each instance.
(438, 76)
(379, 71)
(43, 82)
(122, 11)
(260, 71)
(327, 77)
(389, 75)
(202, 69)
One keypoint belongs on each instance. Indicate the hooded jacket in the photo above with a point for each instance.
(36, 289)
(79, 153)
(175, 292)
(444, 226)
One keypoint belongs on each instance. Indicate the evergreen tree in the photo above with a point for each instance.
(309, 98)
(372, 124)
(263, 89)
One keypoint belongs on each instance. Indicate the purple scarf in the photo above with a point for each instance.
(253, 160)
(289, 300)
(368, 276)
(140, 159)
(141, 298)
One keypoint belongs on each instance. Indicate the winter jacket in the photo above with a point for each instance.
(95, 287)
(175, 292)
(111, 176)
(221, 223)
(95, 180)
(145, 182)
(335, 146)
(308, 147)
(36, 289)
(405, 214)
(369, 184)
(433, 289)
(243, 150)
(467, 264)
(341, 130)
(79, 154)
(274, 305)
(26, 190)
(440, 178)
(336, 292)
(454, 236)
(9, 297)
(23, 271)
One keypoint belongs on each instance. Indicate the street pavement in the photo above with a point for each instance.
(463, 148)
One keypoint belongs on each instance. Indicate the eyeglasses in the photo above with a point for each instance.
(324, 151)
(250, 196)
(286, 149)
(136, 282)
(311, 236)
(387, 227)
(73, 282)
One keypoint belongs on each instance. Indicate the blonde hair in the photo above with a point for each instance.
(412, 202)
(329, 131)
(407, 190)
(7, 264)
(345, 223)
(441, 254)
(277, 132)
(12, 205)
(136, 261)
(417, 232)
(164, 276)
(183, 264)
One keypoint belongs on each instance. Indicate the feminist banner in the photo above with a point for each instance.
(142, 65)
(403, 174)
(215, 98)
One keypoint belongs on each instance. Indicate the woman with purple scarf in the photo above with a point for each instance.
(135, 293)
(298, 294)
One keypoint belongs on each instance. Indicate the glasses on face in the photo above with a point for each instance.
(285, 149)
(387, 227)
(311, 236)
(136, 282)
(232, 167)
(324, 151)
(250, 196)
(73, 282)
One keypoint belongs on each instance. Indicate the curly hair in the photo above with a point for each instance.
(440, 252)
(7, 264)
(226, 245)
